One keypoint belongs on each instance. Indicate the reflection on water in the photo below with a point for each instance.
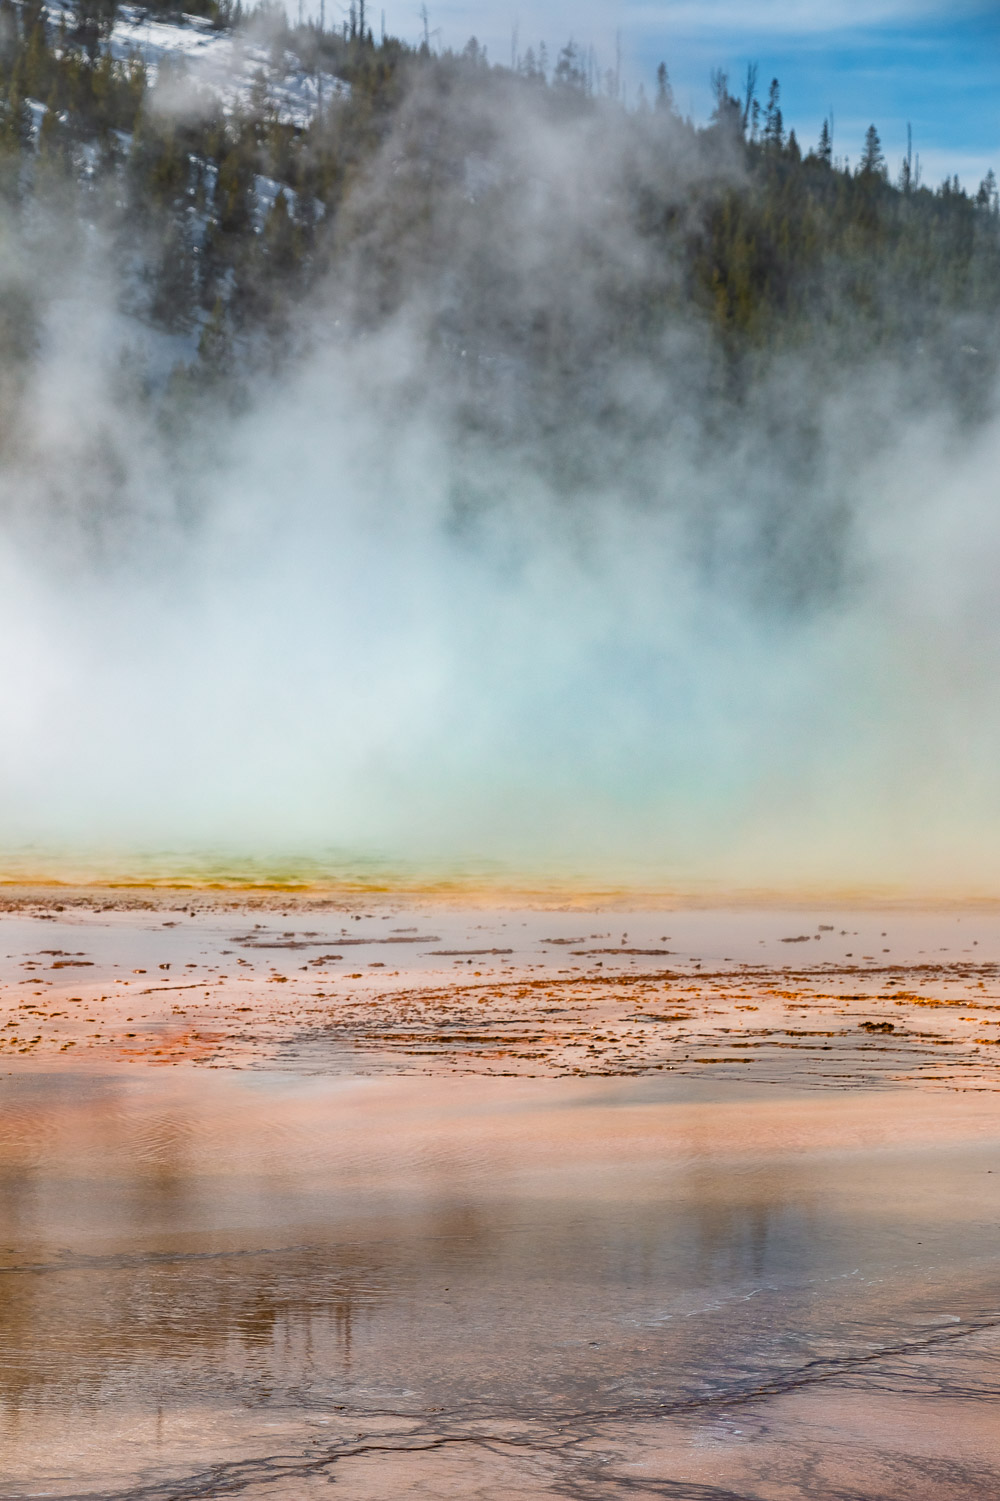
(215, 1284)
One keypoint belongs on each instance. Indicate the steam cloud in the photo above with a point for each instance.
(463, 586)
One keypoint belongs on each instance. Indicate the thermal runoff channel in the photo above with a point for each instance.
(413, 460)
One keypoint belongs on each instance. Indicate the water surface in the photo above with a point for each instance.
(257, 1284)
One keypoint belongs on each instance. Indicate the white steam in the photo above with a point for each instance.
(308, 644)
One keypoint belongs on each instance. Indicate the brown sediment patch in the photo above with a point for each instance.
(477, 992)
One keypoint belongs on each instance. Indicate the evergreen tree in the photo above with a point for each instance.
(751, 107)
(174, 279)
(234, 193)
(528, 67)
(727, 116)
(53, 157)
(774, 125)
(16, 122)
(215, 346)
(872, 162)
(825, 149)
(94, 22)
(664, 90)
(906, 177)
(280, 240)
(37, 64)
(570, 72)
(10, 34)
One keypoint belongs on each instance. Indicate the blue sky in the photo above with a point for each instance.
(933, 64)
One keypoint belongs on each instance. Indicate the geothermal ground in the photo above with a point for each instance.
(830, 998)
(433, 1201)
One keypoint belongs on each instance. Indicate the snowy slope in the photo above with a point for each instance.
(220, 64)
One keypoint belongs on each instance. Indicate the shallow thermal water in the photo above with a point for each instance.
(217, 1284)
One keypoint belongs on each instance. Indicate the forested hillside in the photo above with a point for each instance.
(539, 231)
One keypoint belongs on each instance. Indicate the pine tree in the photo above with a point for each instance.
(102, 81)
(9, 33)
(569, 71)
(174, 279)
(906, 182)
(16, 127)
(872, 162)
(728, 112)
(774, 125)
(751, 109)
(168, 168)
(214, 346)
(53, 158)
(37, 64)
(664, 90)
(94, 22)
(825, 149)
(234, 193)
(280, 238)
(530, 67)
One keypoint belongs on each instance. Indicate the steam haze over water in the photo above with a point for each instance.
(422, 603)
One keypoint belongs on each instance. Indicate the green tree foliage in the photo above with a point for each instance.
(727, 116)
(774, 124)
(872, 162)
(570, 70)
(223, 220)
(664, 90)
(234, 192)
(987, 197)
(175, 279)
(94, 21)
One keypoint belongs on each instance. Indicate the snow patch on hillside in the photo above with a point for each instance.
(225, 66)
